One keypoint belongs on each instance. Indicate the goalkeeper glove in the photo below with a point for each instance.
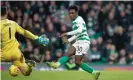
(42, 40)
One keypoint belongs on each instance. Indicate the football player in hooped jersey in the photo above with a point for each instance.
(80, 47)
(10, 51)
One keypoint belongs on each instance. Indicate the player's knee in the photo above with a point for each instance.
(25, 70)
(28, 72)
(78, 63)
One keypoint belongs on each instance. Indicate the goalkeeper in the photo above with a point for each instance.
(10, 51)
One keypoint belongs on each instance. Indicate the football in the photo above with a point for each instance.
(13, 70)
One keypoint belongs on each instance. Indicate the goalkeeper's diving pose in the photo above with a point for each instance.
(10, 51)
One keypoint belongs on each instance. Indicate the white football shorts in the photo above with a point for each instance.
(81, 46)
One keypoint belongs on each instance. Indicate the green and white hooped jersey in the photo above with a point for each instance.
(79, 22)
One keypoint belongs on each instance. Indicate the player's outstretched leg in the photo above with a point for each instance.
(90, 70)
(26, 68)
(85, 67)
(55, 65)
(96, 75)
(62, 60)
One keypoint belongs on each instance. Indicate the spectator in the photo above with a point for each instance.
(46, 56)
(100, 43)
(130, 58)
(119, 38)
(52, 35)
(129, 47)
(11, 15)
(122, 56)
(112, 19)
(92, 20)
(112, 59)
(83, 11)
(36, 55)
(28, 50)
(105, 51)
(95, 54)
(19, 13)
(27, 7)
(36, 18)
(52, 7)
(58, 54)
(109, 32)
(56, 23)
(123, 20)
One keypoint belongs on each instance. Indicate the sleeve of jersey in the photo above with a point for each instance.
(72, 38)
(77, 31)
(25, 33)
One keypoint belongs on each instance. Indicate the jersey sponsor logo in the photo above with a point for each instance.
(7, 24)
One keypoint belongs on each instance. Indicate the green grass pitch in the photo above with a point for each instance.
(69, 75)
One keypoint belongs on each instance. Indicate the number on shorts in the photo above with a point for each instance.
(79, 49)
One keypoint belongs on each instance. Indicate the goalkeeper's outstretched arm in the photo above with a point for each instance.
(25, 32)
(41, 39)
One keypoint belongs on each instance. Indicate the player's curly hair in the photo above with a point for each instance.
(73, 7)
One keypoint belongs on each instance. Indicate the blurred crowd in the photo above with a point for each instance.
(109, 25)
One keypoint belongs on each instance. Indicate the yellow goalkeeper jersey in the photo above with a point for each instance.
(8, 28)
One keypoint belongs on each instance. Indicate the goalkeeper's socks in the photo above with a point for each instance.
(87, 68)
(63, 60)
